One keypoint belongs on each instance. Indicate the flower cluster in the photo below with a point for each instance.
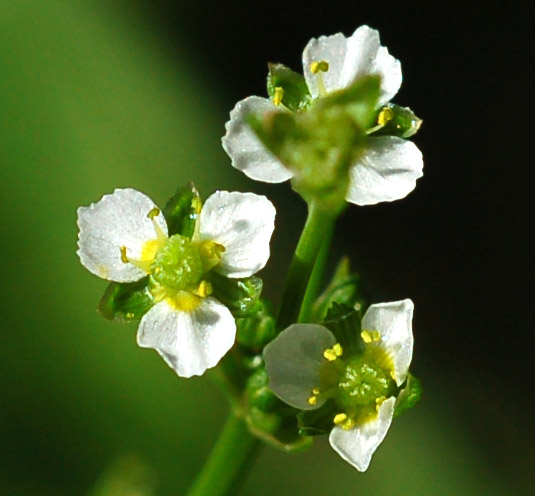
(186, 273)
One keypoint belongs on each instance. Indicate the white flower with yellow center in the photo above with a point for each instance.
(307, 368)
(389, 166)
(124, 237)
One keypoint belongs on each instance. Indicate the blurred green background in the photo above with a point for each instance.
(93, 97)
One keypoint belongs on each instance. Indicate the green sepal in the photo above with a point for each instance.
(258, 329)
(344, 288)
(182, 210)
(296, 95)
(269, 418)
(344, 322)
(410, 394)
(400, 121)
(317, 422)
(126, 302)
(240, 296)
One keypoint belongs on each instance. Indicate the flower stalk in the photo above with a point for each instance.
(232, 454)
(318, 228)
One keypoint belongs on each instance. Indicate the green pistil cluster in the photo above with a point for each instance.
(179, 269)
(178, 264)
(357, 384)
(363, 385)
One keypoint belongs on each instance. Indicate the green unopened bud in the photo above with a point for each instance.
(126, 302)
(344, 288)
(344, 322)
(182, 210)
(240, 296)
(258, 329)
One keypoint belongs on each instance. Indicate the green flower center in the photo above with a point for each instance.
(178, 264)
(365, 381)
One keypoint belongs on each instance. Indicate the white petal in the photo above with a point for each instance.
(387, 171)
(243, 223)
(356, 446)
(117, 220)
(389, 68)
(294, 360)
(351, 58)
(190, 342)
(246, 151)
(331, 49)
(394, 321)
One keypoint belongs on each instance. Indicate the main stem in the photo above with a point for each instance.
(318, 229)
(229, 458)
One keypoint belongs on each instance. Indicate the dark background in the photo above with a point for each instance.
(460, 245)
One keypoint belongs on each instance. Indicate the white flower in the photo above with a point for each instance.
(389, 166)
(124, 237)
(308, 368)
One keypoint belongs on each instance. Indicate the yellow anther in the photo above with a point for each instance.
(319, 66)
(316, 391)
(387, 114)
(204, 289)
(393, 374)
(129, 315)
(366, 337)
(376, 336)
(379, 402)
(330, 354)
(153, 213)
(124, 258)
(348, 424)
(312, 400)
(340, 418)
(338, 350)
(279, 95)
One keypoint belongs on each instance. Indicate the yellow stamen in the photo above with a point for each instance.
(379, 402)
(376, 336)
(348, 424)
(129, 315)
(204, 289)
(316, 391)
(153, 213)
(340, 418)
(338, 350)
(387, 114)
(319, 66)
(124, 258)
(312, 400)
(279, 95)
(366, 337)
(330, 354)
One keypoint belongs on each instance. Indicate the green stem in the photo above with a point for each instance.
(230, 457)
(316, 278)
(318, 228)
